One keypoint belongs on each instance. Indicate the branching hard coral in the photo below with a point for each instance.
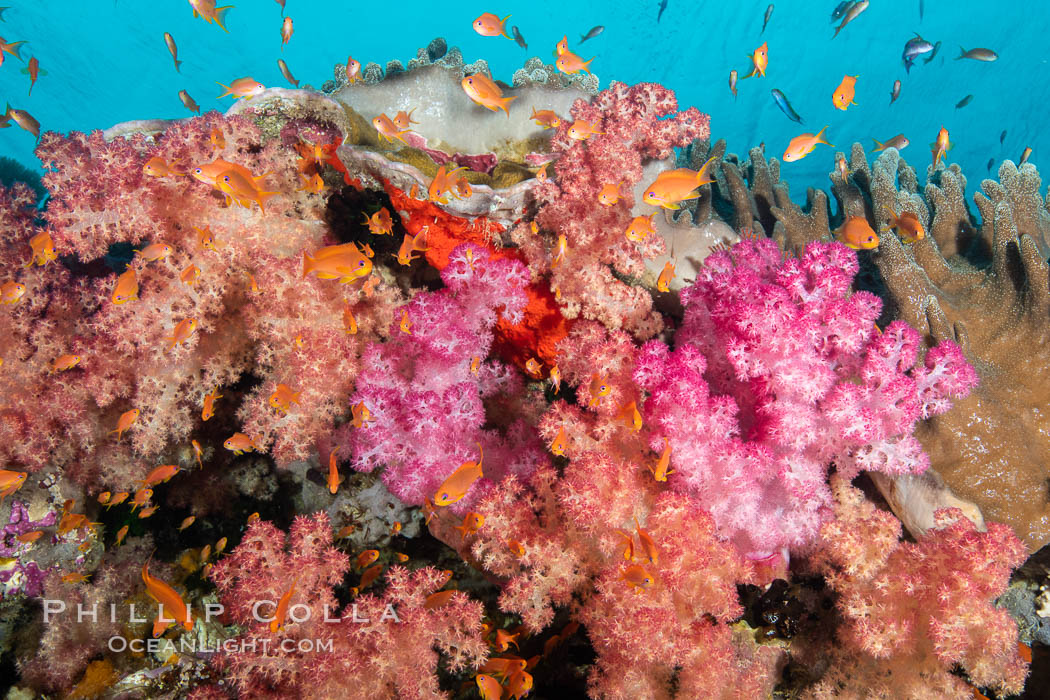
(420, 390)
(913, 611)
(378, 646)
(797, 378)
(633, 127)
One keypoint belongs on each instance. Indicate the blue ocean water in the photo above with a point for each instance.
(107, 63)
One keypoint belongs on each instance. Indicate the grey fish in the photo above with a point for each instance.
(840, 10)
(663, 6)
(936, 48)
(851, 14)
(595, 31)
(920, 9)
(977, 54)
(785, 106)
(765, 20)
(914, 47)
(896, 92)
(287, 73)
(1002, 137)
(964, 101)
(519, 39)
(991, 161)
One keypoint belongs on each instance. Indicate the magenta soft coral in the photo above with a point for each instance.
(638, 123)
(778, 372)
(379, 646)
(427, 406)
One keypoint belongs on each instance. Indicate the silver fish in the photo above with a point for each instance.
(936, 48)
(519, 39)
(595, 31)
(287, 73)
(851, 14)
(977, 54)
(896, 92)
(914, 47)
(785, 106)
(964, 101)
(765, 20)
(732, 82)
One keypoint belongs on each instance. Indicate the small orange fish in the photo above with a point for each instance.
(843, 168)
(43, 249)
(519, 684)
(367, 557)
(631, 417)
(360, 415)
(488, 687)
(65, 362)
(475, 364)
(802, 145)
(437, 600)
(170, 601)
(206, 239)
(570, 63)
(899, 142)
(472, 522)
(205, 552)
(210, 13)
(353, 71)
(32, 69)
(345, 262)
(843, 95)
(637, 578)
(504, 639)
(188, 102)
(403, 119)
(345, 532)
(388, 130)
(489, 24)
(661, 469)
(11, 292)
(609, 195)
(253, 518)
(369, 576)
(209, 404)
(515, 547)
(155, 252)
(558, 446)
(546, 118)
(581, 130)
(760, 60)
(555, 377)
(599, 388)
(118, 499)
(663, 282)
(533, 367)
(628, 543)
(127, 288)
(158, 167)
(242, 189)
(907, 224)
(941, 146)
(160, 475)
(283, 397)
(652, 552)
(241, 88)
(30, 537)
(141, 498)
(640, 228)
(220, 545)
(349, 322)
(312, 185)
(672, 187)
(148, 511)
(286, 31)
(395, 529)
(277, 623)
(333, 474)
(75, 577)
(239, 443)
(380, 223)
(456, 486)
(443, 184)
(182, 332)
(121, 534)
(406, 324)
(480, 88)
(187, 522)
(126, 420)
(542, 176)
(856, 233)
(24, 119)
(561, 252)
(190, 275)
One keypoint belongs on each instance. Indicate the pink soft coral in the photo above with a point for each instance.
(778, 372)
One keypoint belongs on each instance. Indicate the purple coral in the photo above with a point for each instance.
(24, 576)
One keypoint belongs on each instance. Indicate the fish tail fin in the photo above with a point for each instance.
(225, 87)
(503, 28)
(878, 145)
(962, 53)
(584, 66)
(821, 140)
(506, 101)
(220, 17)
(308, 264)
(177, 64)
(261, 197)
(703, 176)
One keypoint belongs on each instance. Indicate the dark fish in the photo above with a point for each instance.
(936, 48)
(914, 47)
(2, 10)
(991, 162)
(920, 9)
(840, 10)
(896, 92)
(977, 54)
(1024, 156)
(1002, 137)
(663, 6)
(785, 106)
(519, 38)
(595, 31)
(851, 14)
(765, 20)
(964, 101)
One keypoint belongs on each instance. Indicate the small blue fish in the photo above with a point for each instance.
(765, 20)
(595, 31)
(1002, 137)
(964, 101)
(663, 6)
(785, 106)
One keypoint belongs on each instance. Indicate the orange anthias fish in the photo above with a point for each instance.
(361, 415)
(570, 63)
(843, 95)
(534, 368)
(581, 130)
(126, 420)
(345, 262)
(277, 623)
(455, 487)
(239, 443)
(65, 362)
(403, 119)
(369, 576)
(558, 445)
(286, 32)
(489, 24)
(599, 389)
(241, 88)
(941, 146)
(380, 223)
(190, 274)
(409, 245)
(197, 452)
(489, 687)
(127, 288)
(210, 13)
(760, 61)
(443, 184)
(155, 251)
(283, 397)
(802, 145)
(631, 417)
(187, 522)
(11, 481)
(243, 189)
(349, 322)
(546, 118)
(652, 552)
(472, 522)
(480, 88)
(519, 684)
(609, 194)
(388, 129)
(11, 292)
(367, 557)
(160, 475)
(640, 228)
(12, 48)
(170, 601)
(561, 251)
(182, 332)
(856, 233)
(32, 69)
(672, 187)
(209, 404)
(663, 282)
(173, 50)
(637, 578)
(555, 377)
(353, 70)
(333, 474)
(908, 226)
(406, 323)
(43, 249)
(121, 534)
(660, 469)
